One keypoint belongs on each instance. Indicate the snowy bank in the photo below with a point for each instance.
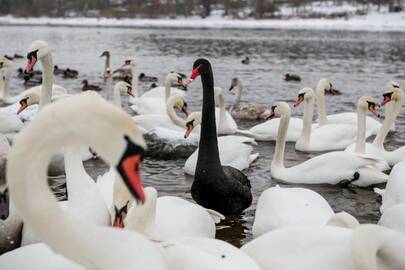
(371, 22)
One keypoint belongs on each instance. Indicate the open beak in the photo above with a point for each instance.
(299, 100)
(189, 128)
(23, 106)
(385, 101)
(30, 64)
(194, 74)
(374, 111)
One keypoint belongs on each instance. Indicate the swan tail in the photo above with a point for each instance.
(379, 191)
(246, 133)
(216, 216)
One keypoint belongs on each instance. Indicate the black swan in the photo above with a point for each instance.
(221, 188)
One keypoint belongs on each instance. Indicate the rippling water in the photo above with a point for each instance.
(358, 63)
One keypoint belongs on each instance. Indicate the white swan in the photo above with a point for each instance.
(343, 220)
(366, 247)
(395, 96)
(233, 150)
(394, 218)
(45, 56)
(340, 118)
(395, 189)
(84, 199)
(280, 207)
(331, 168)
(322, 138)
(169, 218)
(155, 105)
(121, 146)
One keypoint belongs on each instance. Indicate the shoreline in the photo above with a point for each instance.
(374, 22)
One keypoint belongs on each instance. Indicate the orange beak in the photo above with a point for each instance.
(132, 169)
(298, 101)
(130, 92)
(23, 106)
(189, 128)
(30, 64)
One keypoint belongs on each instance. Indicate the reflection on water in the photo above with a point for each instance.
(358, 63)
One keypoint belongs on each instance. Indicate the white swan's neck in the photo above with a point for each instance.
(47, 80)
(222, 110)
(141, 218)
(320, 99)
(117, 97)
(107, 63)
(77, 179)
(387, 123)
(361, 131)
(173, 115)
(307, 121)
(109, 86)
(9, 75)
(374, 247)
(168, 88)
(238, 95)
(134, 82)
(278, 159)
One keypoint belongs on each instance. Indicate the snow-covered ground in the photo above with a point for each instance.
(371, 22)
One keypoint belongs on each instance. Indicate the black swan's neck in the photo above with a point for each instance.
(208, 155)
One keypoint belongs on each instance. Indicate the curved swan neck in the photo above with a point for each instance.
(222, 111)
(320, 99)
(109, 86)
(278, 158)
(361, 131)
(208, 154)
(239, 88)
(374, 246)
(47, 80)
(134, 82)
(387, 124)
(9, 75)
(173, 115)
(307, 121)
(168, 88)
(141, 218)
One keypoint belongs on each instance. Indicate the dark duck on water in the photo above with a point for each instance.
(221, 188)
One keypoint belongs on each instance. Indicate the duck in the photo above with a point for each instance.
(30, 80)
(246, 61)
(394, 191)
(81, 243)
(324, 85)
(393, 218)
(57, 70)
(322, 138)
(337, 167)
(234, 151)
(246, 112)
(86, 86)
(292, 77)
(367, 246)
(279, 207)
(144, 78)
(395, 96)
(221, 188)
(39, 50)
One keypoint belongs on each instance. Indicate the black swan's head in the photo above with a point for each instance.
(200, 66)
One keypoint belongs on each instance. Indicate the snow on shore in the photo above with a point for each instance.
(371, 22)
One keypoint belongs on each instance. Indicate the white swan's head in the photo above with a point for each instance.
(393, 93)
(193, 120)
(37, 50)
(124, 87)
(84, 119)
(217, 91)
(391, 84)
(235, 83)
(279, 109)
(174, 78)
(343, 220)
(130, 62)
(304, 94)
(29, 99)
(5, 63)
(368, 103)
(324, 85)
(179, 102)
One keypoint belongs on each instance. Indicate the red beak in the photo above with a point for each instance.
(194, 74)
(132, 169)
(271, 116)
(298, 101)
(385, 101)
(30, 64)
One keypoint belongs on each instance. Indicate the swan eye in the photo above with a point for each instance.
(395, 85)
